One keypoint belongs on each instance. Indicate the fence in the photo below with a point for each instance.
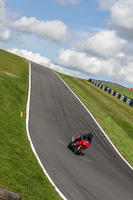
(113, 92)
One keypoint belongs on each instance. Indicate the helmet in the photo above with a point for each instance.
(90, 135)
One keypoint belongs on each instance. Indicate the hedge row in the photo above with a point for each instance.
(113, 92)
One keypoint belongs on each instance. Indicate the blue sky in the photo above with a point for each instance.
(76, 16)
(82, 38)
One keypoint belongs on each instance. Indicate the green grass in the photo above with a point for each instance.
(114, 116)
(19, 169)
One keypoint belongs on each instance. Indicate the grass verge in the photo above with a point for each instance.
(114, 116)
(19, 169)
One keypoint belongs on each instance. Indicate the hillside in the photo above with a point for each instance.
(20, 171)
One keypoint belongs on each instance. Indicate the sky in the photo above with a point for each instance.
(81, 38)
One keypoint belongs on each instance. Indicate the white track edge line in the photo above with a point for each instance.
(96, 123)
(32, 146)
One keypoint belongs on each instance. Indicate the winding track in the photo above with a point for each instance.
(55, 116)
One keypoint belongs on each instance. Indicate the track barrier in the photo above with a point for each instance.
(112, 92)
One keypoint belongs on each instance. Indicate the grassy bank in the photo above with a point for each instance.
(19, 169)
(114, 116)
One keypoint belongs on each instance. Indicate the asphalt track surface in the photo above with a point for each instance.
(55, 116)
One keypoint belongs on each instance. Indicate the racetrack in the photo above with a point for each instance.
(55, 116)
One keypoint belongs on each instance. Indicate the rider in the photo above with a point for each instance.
(87, 137)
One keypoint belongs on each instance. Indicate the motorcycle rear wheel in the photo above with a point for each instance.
(78, 151)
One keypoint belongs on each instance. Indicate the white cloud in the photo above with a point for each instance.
(118, 68)
(80, 64)
(5, 13)
(3, 10)
(55, 30)
(67, 1)
(67, 71)
(122, 18)
(37, 58)
(29, 55)
(104, 44)
(79, 61)
(5, 34)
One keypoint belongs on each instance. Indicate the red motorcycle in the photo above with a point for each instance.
(78, 146)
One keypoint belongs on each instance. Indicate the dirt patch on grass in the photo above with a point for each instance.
(10, 74)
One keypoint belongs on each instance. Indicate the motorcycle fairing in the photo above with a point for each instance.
(83, 143)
